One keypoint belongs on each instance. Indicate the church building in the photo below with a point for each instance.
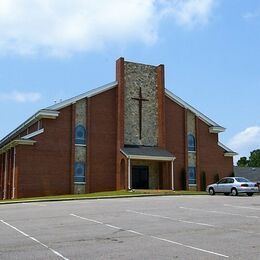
(132, 133)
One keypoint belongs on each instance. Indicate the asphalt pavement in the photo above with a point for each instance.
(164, 227)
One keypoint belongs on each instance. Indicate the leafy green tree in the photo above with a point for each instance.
(252, 161)
(242, 162)
(254, 158)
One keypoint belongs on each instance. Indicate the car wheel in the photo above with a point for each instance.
(234, 192)
(226, 193)
(250, 194)
(211, 191)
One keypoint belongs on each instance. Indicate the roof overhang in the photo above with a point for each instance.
(216, 129)
(229, 154)
(227, 151)
(15, 143)
(87, 94)
(44, 113)
(147, 153)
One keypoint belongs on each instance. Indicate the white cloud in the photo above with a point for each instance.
(251, 15)
(21, 97)
(63, 27)
(246, 141)
(191, 12)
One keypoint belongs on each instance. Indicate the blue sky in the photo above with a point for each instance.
(53, 49)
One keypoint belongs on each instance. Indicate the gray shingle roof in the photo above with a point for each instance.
(147, 151)
(251, 173)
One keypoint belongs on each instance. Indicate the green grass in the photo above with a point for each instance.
(106, 194)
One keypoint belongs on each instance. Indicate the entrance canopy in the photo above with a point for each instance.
(147, 153)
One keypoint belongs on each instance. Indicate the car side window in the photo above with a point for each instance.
(222, 181)
(231, 181)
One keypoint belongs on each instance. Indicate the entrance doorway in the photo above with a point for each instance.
(140, 177)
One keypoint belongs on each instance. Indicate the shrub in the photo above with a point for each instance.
(216, 177)
(203, 181)
(183, 179)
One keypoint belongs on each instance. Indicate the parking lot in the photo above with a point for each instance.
(168, 227)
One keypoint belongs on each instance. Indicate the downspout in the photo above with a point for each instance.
(14, 177)
(172, 172)
(129, 172)
(5, 176)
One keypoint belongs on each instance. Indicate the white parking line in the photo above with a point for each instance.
(154, 237)
(164, 217)
(241, 207)
(192, 247)
(88, 219)
(220, 212)
(35, 240)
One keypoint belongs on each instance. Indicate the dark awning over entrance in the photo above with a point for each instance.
(147, 153)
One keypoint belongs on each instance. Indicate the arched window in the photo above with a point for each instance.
(79, 172)
(192, 175)
(80, 135)
(191, 143)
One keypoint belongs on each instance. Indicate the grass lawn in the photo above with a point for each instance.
(107, 194)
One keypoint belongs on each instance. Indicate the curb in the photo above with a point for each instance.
(93, 198)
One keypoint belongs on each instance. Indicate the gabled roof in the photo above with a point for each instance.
(87, 94)
(251, 173)
(52, 111)
(216, 128)
(228, 151)
(43, 113)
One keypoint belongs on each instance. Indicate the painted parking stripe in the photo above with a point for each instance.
(88, 219)
(164, 217)
(34, 239)
(153, 237)
(241, 207)
(191, 247)
(220, 212)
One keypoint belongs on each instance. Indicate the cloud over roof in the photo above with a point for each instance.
(64, 27)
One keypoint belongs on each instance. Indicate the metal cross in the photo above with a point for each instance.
(140, 99)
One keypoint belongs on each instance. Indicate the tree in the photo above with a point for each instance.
(242, 162)
(252, 161)
(254, 158)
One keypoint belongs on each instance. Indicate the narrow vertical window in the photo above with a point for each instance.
(192, 175)
(79, 172)
(191, 143)
(80, 135)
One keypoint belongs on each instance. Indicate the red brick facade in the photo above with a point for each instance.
(46, 166)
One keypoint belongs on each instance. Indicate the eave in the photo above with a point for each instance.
(15, 143)
(44, 113)
(216, 129)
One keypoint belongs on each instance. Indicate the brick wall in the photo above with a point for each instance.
(101, 172)
(175, 136)
(212, 159)
(44, 168)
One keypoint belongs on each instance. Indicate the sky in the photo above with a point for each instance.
(52, 50)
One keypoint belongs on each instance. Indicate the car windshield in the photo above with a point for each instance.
(240, 179)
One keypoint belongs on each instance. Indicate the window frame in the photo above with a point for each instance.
(75, 176)
(191, 148)
(80, 140)
(192, 181)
